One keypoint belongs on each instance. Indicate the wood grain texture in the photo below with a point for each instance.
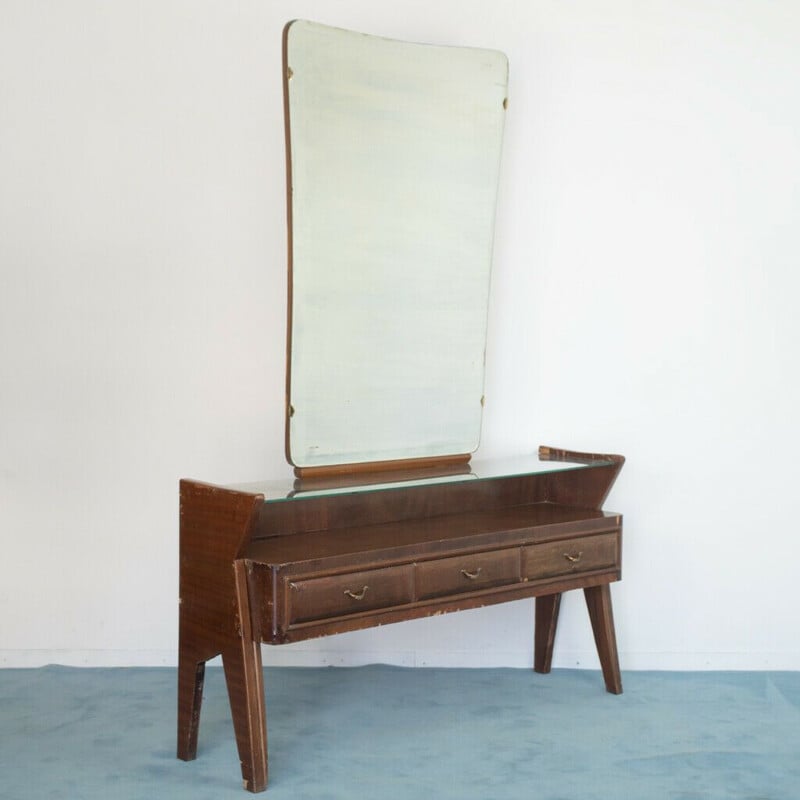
(191, 678)
(215, 526)
(570, 556)
(468, 572)
(244, 677)
(571, 489)
(255, 572)
(598, 601)
(547, 608)
(439, 535)
(393, 466)
(285, 631)
(584, 488)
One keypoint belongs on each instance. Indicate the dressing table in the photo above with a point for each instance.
(385, 518)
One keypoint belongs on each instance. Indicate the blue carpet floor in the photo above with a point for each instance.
(387, 733)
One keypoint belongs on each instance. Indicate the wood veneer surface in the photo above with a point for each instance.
(507, 526)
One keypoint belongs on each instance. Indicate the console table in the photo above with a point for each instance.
(274, 564)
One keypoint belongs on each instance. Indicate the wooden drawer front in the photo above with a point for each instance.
(570, 555)
(340, 595)
(467, 573)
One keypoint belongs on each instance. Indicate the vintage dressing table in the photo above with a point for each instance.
(393, 162)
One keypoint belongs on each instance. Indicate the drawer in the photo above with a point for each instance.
(467, 573)
(340, 595)
(569, 556)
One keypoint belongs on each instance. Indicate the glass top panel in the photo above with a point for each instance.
(291, 488)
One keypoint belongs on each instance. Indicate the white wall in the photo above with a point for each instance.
(644, 293)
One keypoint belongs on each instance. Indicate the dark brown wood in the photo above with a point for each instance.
(371, 467)
(365, 545)
(584, 487)
(350, 593)
(598, 600)
(465, 573)
(215, 526)
(287, 133)
(244, 676)
(191, 676)
(569, 556)
(435, 606)
(274, 572)
(316, 483)
(547, 608)
(572, 490)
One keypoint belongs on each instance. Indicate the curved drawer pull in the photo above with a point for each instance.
(356, 595)
(471, 575)
(573, 559)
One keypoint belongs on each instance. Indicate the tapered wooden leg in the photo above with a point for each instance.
(241, 660)
(242, 664)
(598, 600)
(547, 607)
(191, 674)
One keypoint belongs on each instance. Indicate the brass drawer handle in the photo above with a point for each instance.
(356, 595)
(471, 575)
(573, 559)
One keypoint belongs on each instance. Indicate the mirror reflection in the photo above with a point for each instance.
(394, 154)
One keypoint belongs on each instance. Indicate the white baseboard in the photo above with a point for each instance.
(303, 655)
(700, 662)
(88, 658)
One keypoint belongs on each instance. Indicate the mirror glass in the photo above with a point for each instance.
(393, 163)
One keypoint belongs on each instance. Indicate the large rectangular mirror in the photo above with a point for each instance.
(393, 155)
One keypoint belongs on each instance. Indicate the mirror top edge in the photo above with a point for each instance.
(290, 488)
(300, 25)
